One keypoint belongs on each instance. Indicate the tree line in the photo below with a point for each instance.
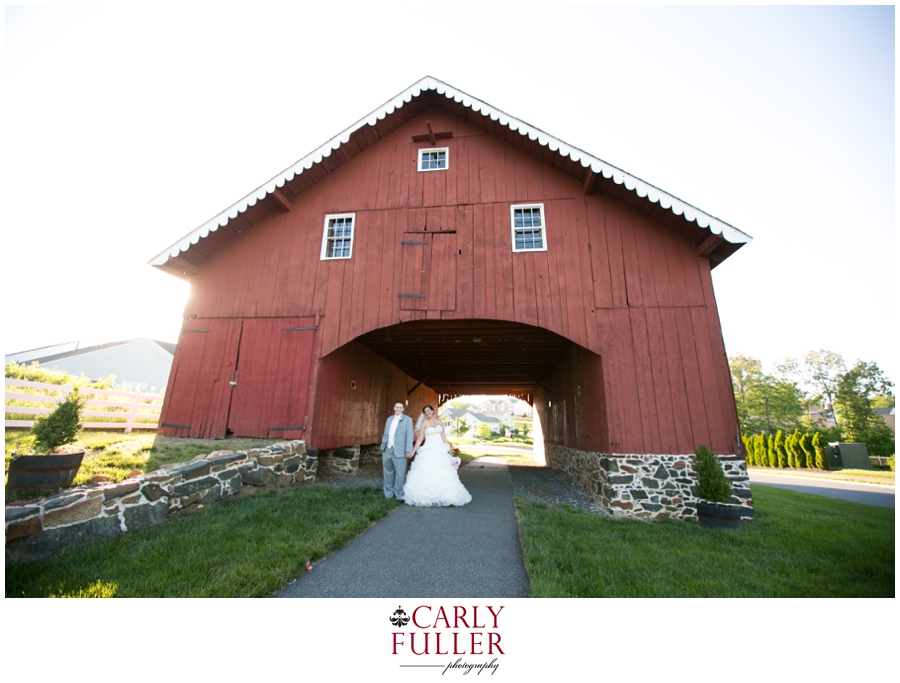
(787, 416)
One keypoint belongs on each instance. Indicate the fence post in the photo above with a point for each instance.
(132, 414)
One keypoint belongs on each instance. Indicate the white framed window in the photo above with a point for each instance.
(337, 240)
(435, 159)
(528, 228)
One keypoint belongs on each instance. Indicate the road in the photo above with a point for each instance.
(870, 494)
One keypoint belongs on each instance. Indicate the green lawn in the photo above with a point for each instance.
(250, 546)
(798, 546)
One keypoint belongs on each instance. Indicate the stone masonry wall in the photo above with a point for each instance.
(41, 527)
(646, 486)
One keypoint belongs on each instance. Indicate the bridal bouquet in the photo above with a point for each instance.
(455, 461)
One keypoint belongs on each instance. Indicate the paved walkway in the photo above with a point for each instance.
(454, 552)
(857, 492)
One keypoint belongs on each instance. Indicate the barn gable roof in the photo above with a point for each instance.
(712, 237)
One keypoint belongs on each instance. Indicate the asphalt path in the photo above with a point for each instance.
(857, 492)
(471, 551)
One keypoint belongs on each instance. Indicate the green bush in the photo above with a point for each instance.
(60, 427)
(712, 484)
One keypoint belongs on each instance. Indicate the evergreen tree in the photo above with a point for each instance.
(818, 443)
(771, 455)
(779, 449)
(748, 450)
(809, 453)
(712, 484)
(762, 457)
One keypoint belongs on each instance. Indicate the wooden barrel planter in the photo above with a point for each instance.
(43, 471)
(719, 515)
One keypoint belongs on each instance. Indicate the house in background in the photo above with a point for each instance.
(450, 416)
(137, 364)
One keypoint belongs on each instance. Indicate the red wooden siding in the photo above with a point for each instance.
(198, 392)
(358, 390)
(572, 408)
(272, 377)
(612, 280)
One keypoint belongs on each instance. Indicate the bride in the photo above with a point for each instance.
(432, 478)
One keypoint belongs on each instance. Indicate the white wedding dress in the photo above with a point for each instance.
(432, 479)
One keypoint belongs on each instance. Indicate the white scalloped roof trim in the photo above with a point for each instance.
(620, 177)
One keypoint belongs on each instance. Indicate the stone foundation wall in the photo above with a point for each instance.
(41, 527)
(339, 459)
(646, 486)
(370, 454)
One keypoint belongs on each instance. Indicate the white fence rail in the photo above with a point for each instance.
(123, 410)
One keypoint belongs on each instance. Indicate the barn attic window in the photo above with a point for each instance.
(436, 159)
(337, 242)
(527, 222)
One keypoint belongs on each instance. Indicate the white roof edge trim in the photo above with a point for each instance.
(598, 166)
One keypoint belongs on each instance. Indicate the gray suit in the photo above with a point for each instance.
(393, 460)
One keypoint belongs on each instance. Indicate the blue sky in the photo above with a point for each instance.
(126, 130)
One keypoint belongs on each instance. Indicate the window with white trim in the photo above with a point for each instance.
(527, 221)
(337, 241)
(437, 159)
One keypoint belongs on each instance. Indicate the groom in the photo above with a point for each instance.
(396, 447)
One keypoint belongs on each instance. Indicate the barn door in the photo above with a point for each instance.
(429, 271)
(198, 393)
(271, 380)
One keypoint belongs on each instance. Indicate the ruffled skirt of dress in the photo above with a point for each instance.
(432, 479)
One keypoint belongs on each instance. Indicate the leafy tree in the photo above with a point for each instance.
(483, 431)
(461, 426)
(764, 402)
(856, 389)
(883, 401)
(821, 371)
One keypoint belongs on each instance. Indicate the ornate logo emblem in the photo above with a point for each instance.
(399, 618)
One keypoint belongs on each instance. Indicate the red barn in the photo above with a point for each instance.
(441, 247)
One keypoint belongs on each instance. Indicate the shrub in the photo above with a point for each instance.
(60, 427)
(890, 462)
(712, 484)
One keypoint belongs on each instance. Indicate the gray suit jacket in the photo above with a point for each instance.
(403, 437)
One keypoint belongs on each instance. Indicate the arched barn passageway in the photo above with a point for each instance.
(432, 361)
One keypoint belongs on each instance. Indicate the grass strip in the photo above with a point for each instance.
(249, 546)
(798, 546)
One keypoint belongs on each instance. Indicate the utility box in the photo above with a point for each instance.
(852, 456)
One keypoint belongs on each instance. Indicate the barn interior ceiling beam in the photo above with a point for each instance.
(471, 356)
